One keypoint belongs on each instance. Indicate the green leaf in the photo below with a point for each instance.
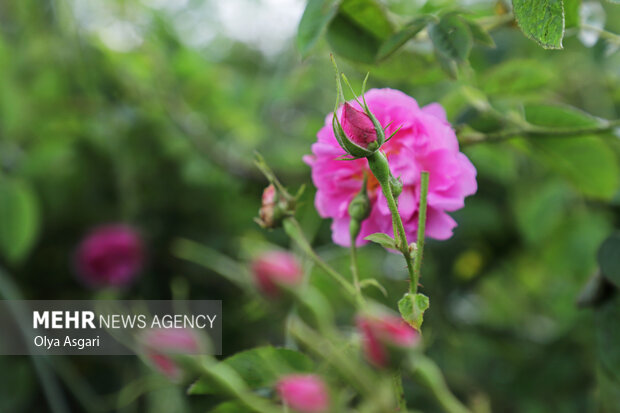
(586, 161)
(451, 37)
(394, 42)
(372, 282)
(412, 308)
(351, 41)
(19, 219)
(316, 17)
(259, 367)
(559, 116)
(541, 20)
(608, 336)
(358, 30)
(370, 15)
(479, 34)
(516, 77)
(609, 258)
(447, 65)
(382, 239)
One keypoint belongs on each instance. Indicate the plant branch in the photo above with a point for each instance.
(536, 131)
(424, 177)
(379, 166)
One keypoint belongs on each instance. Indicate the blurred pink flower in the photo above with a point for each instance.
(274, 269)
(425, 142)
(381, 335)
(110, 255)
(305, 393)
(160, 343)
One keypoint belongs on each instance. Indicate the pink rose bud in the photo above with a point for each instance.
(384, 336)
(111, 255)
(357, 126)
(275, 269)
(304, 393)
(268, 213)
(161, 344)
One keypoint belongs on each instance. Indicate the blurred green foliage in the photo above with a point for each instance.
(156, 129)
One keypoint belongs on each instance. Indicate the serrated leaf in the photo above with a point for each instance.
(382, 239)
(451, 37)
(412, 308)
(372, 282)
(19, 219)
(541, 21)
(609, 258)
(398, 39)
(316, 17)
(258, 367)
(479, 34)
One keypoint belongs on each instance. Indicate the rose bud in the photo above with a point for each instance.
(384, 337)
(304, 393)
(110, 256)
(358, 133)
(161, 344)
(269, 215)
(276, 269)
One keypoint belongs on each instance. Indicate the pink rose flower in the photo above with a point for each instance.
(425, 142)
(111, 255)
(382, 335)
(275, 269)
(305, 393)
(160, 344)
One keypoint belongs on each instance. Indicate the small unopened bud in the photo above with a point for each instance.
(161, 344)
(304, 393)
(359, 210)
(275, 206)
(274, 270)
(385, 337)
(396, 185)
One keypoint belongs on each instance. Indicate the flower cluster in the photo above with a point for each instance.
(423, 140)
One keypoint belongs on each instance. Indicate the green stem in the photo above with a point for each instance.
(428, 374)
(380, 169)
(400, 393)
(294, 231)
(421, 231)
(354, 268)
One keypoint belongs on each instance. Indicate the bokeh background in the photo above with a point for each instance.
(149, 112)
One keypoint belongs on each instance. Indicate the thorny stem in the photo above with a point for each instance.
(400, 393)
(379, 166)
(421, 232)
